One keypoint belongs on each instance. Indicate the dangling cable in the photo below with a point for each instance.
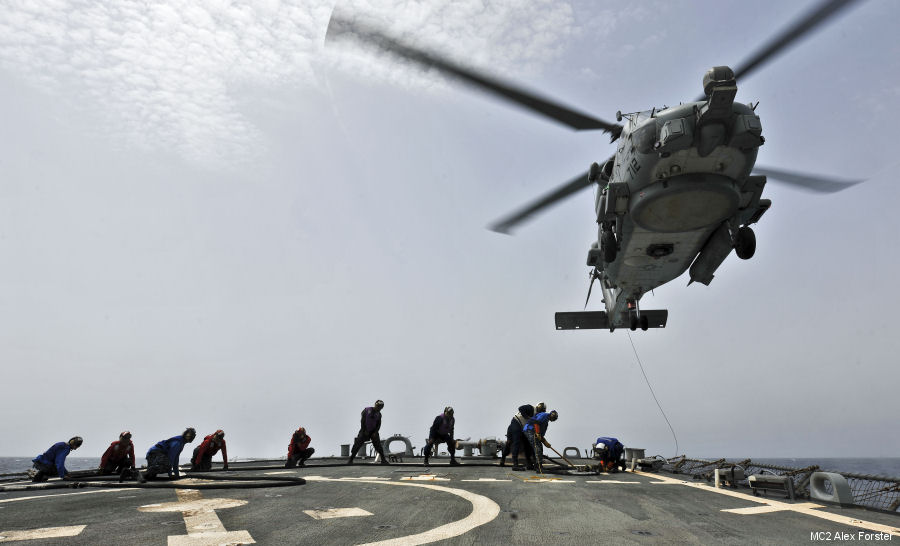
(653, 393)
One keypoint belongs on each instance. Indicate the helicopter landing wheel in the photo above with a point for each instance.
(745, 243)
(634, 323)
(645, 323)
(608, 245)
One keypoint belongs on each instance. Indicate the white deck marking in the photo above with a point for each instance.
(536, 479)
(204, 527)
(484, 510)
(766, 508)
(486, 480)
(807, 508)
(329, 513)
(279, 472)
(608, 481)
(47, 532)
(424, 478)
(17, 499)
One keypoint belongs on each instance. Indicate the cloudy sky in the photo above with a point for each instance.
(210, 218)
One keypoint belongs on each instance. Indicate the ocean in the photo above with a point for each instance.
(884, 466)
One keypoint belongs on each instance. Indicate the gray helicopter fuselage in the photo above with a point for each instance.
(679, 185)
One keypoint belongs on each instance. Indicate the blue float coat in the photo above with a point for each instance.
(172, 448)
(615, 446)
(55, 456)
(542, 419)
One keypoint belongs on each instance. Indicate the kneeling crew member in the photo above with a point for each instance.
(442, 431)
(298, 449)
(53, 461)
(369, 425)
(535, 429)
(203, 454)
(163, 457)
(610, 452)
(119, 456)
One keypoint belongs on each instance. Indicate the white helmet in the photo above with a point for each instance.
(600, 446)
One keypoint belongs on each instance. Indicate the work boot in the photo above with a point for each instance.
(454, 462)
(350, 460)
(39, 477)
(503, 461)
(384, 461)
(518, 468)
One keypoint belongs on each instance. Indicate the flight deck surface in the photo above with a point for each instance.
(413, 504)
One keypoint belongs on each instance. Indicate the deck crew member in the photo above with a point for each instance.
(298, 449)
(163, 457)
(442, 431)
(53, 461)
(515, 438)
(535, 431)
(610, 452)
(119, 456)
(203, 453)
(369, 425)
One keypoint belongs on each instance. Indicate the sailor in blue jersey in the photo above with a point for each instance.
(53, 461)
(163, 457)
(610, 452)
(369, 425)
(442, 431)
(535, 429)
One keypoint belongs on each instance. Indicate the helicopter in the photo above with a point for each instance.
(679, 194)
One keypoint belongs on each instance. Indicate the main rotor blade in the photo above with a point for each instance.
(505, 225)
(338, 28)
(811, 182)
(815, 17)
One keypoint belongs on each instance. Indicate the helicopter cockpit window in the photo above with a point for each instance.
(644, 136)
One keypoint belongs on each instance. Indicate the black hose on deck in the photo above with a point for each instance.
(251, 483)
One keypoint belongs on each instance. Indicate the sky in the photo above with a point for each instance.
(211, 218)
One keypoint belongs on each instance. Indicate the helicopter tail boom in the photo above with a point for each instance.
(597, 320)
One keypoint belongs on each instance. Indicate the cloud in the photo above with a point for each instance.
(165, 75)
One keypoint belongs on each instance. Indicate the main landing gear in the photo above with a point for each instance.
(636, 319)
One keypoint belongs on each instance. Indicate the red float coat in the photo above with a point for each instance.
(297, 445)
(118, 451)
(210, 446)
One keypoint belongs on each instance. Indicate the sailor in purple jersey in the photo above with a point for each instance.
(442, 431)
(369, 425)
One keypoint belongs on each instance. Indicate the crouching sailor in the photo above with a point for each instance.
(610, 452)
(369, 425)
(53, 461)
(203, 454)
(298, 449)
(163, 457)
(442, 431)
(119, 456)
(535, 431)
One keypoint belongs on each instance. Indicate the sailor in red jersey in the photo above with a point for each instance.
(119, 456)
(298, 449)
(203, 453)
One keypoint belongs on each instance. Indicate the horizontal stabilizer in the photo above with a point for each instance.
(597, 320)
